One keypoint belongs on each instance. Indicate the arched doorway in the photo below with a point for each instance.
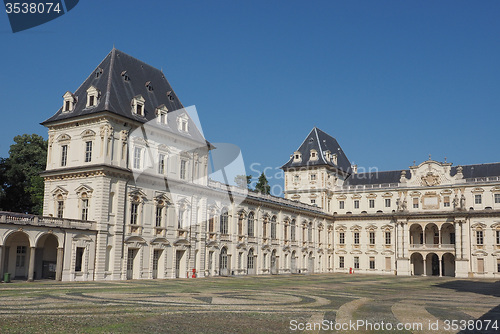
(46, 257)
(310, 263)
(417, 262)
(432, 264)
(274, 264)
(448, 264)
(431, 234)
(17, 255)
(447, 234)
(223, 263)
(293, 264)
(251, 262)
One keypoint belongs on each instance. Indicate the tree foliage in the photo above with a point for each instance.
(21, 187)
(262, 185)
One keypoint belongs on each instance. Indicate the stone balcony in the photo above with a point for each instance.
(34, 220)
(432, 247)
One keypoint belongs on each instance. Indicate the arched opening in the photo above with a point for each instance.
(274, 264)
(293, 262)
(432, 264)
(431, 235)
(448, 264)
(223, 263)
(17, 255)
(416, 235)
(310, 263)
(417, 262)
(447, 234)
(251, 262)
(46, 257)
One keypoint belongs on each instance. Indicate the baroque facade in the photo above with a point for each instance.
(128, 196)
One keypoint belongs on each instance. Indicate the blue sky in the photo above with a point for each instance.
(392, 81)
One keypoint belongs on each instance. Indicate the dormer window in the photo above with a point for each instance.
(92, 96)
(125, 76)
(170, 96)
(149, 86)
(161, 114)
(334, 159)
(182, 123)
(138, 105)
(69, 101)
(328, 155)
(314, 155)
(297, 157)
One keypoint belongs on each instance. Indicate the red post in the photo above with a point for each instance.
(194, 273)
(350, 270)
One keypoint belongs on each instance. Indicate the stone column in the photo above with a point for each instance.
(458, 240)
(400, 233)
(425, 266)
(59, 263)
(31, 271)
(1, 262)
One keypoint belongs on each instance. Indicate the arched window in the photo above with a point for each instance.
(240, 223)
(224, 222)
(310, 232)
(292, 230)
(273, 227)
(250, 227)
(250, 259)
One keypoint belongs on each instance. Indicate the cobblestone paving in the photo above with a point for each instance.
(271, 304)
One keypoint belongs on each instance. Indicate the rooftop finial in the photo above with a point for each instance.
(429, 156)
(445, 159)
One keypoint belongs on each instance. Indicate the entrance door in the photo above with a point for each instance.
(178, 258)
(250, 263)
(156, 256)
(310, 264)
(223, 262)
(21, 261)
(274, 269)
(130, 263)
(294, 263)
(435, 265)
(210, 262)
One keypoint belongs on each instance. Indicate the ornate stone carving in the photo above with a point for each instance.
(430, 180)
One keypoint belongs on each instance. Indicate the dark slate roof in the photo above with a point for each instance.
(469, 171)
(321, 142)
(480, 170)
(375, 178)
(116, 93)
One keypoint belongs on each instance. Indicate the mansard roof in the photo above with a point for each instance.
(321, 142)
(469, 171)
(120, 78)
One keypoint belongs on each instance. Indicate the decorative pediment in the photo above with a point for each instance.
(59, 191)
(341, 228)
(88, 134)
(84, 189)
(480, 253)
(387, 195)
(430, 173)
(341, 197)
(495, 226)
(137, 195)
(371, 227)
(446, 192)
(478, 190)
(387, 252)
(356, 252)
(478, 225)
(371, 252)
(82, 237)
(63, 138)
(341, 252)
(371, 195)
(160, 242)
(356, 196)
(356, 228)
(387, 227)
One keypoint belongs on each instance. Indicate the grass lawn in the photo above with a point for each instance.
(265, 304)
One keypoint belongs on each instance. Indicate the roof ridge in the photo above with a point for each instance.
(319, 146)
(108, 86)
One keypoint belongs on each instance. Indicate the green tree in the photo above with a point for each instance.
(243, 181)
(262, 185)
(21, 188)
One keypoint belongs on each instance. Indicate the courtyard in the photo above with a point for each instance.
(266, 304)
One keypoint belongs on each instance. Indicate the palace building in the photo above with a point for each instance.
(128, 196)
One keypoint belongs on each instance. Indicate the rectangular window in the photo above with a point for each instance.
(341, 262)
(387, 202)
(452, 238)
(388, 265)
(161, 164)
(313, 177)
(477, 199)
(60, 209)
(356, 262)
(372, 263)
(372, 238)
(371, 203)
(498, 237)
(387, 238)
(356, 204)
(341, 205)
(183, 170)
(356, 238)
(64, 155)
(313, 201)
(85, 208)
(88, 151)
(479, 237)
(159, 215)
(498, 265)
(497, 198)
(341, 238)
(133, 213)
(20, 256)
(139, 109)
(415, 203)
(480, 266)
(446, 201)
(137, 157)
(79, 258)
(91, 100)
